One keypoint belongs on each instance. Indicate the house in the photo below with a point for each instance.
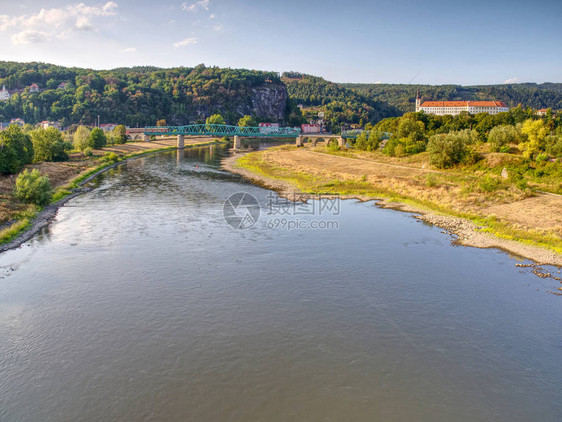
(33, 88)
(5, 94)
(47, 124)
(17, 121)
(108, 127)
(541, 112)
(268, 127)
(453, 108)
(62, 85)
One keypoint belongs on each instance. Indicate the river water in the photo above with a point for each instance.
(140, 302)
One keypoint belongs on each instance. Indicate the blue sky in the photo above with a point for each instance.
(401, 41)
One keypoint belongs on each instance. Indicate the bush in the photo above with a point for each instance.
(110, 157)
(501, 136)
(81, 138)
(16, 150)
(33, 188)
(446, 150)
(88, 152)
(333, 146)
(489, 183)
(97, 139)
(48, 145)
(120, 134)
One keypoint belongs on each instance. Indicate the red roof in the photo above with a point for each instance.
(464, 104)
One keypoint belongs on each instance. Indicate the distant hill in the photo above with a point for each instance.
(403, 97)
(142, 95)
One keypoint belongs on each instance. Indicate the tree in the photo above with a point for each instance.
(446, 150)
(215, 119)
(502, 135)
(120, 134)
(48, 145)
(247, 121)
(16, 150)
(33, 188)
(536, 133)
(81, 138)
(97, 138)
(161, 122)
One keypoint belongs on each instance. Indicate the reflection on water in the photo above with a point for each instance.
(141, 303)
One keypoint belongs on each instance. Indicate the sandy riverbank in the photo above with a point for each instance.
(464, 232)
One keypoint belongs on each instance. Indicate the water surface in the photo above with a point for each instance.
(141, 303)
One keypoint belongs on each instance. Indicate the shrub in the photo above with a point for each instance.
(48, 145)
(110, 157)
(81, 138)
(120, 134)
(97, 138)
(33, 188)
(16, 150)
(501, 136)
(489, 183)
(446, 150)
(542, 157)
(505, 149)
(333, 146)
(88, 152)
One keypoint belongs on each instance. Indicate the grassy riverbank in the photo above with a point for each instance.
(68, 177)
(510, 210)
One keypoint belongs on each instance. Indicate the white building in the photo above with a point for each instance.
(4, 94)
(441, 108)
(34, 88)
(46, 124)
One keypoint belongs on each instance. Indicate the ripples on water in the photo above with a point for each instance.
(141, 303)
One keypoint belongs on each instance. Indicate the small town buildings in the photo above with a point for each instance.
(453, 108)
(18, 121)
(47, 124)
(62, 85)
(4, 94)
(541, 112)
(311, 128)
(108, 127)
(268, 127)
(33, 88)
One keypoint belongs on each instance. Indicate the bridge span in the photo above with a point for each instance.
(238, 133)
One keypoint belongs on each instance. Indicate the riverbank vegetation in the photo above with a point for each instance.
(54, 167)
(510, 208)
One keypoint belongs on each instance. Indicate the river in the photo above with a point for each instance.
(142, 302)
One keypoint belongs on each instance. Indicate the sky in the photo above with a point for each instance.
(377, 41)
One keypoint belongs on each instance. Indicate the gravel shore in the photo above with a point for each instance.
(464, 232)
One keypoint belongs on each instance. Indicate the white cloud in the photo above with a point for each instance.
(56, 22)
(30, 36)
(212, 16)
(186, 42)
(378, 82)
(511, 81)
(129, 50)
(200, 4)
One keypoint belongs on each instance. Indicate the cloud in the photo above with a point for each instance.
(378, 82)
(200, 4)
(186, 42)
(128, 50)
(511, 81)
(30, 36)
(212, 16)
(56, 22)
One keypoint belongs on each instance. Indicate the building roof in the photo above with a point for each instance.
(464, 104)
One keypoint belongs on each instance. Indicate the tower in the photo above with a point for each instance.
(418, 101)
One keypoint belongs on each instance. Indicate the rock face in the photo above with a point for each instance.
(268, 101)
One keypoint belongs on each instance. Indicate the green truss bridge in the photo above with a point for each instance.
(248, 132)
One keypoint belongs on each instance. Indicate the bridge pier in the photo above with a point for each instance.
(146, 138)
(181, 143)
(341, 142)
(300, 141)
(237, 142)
